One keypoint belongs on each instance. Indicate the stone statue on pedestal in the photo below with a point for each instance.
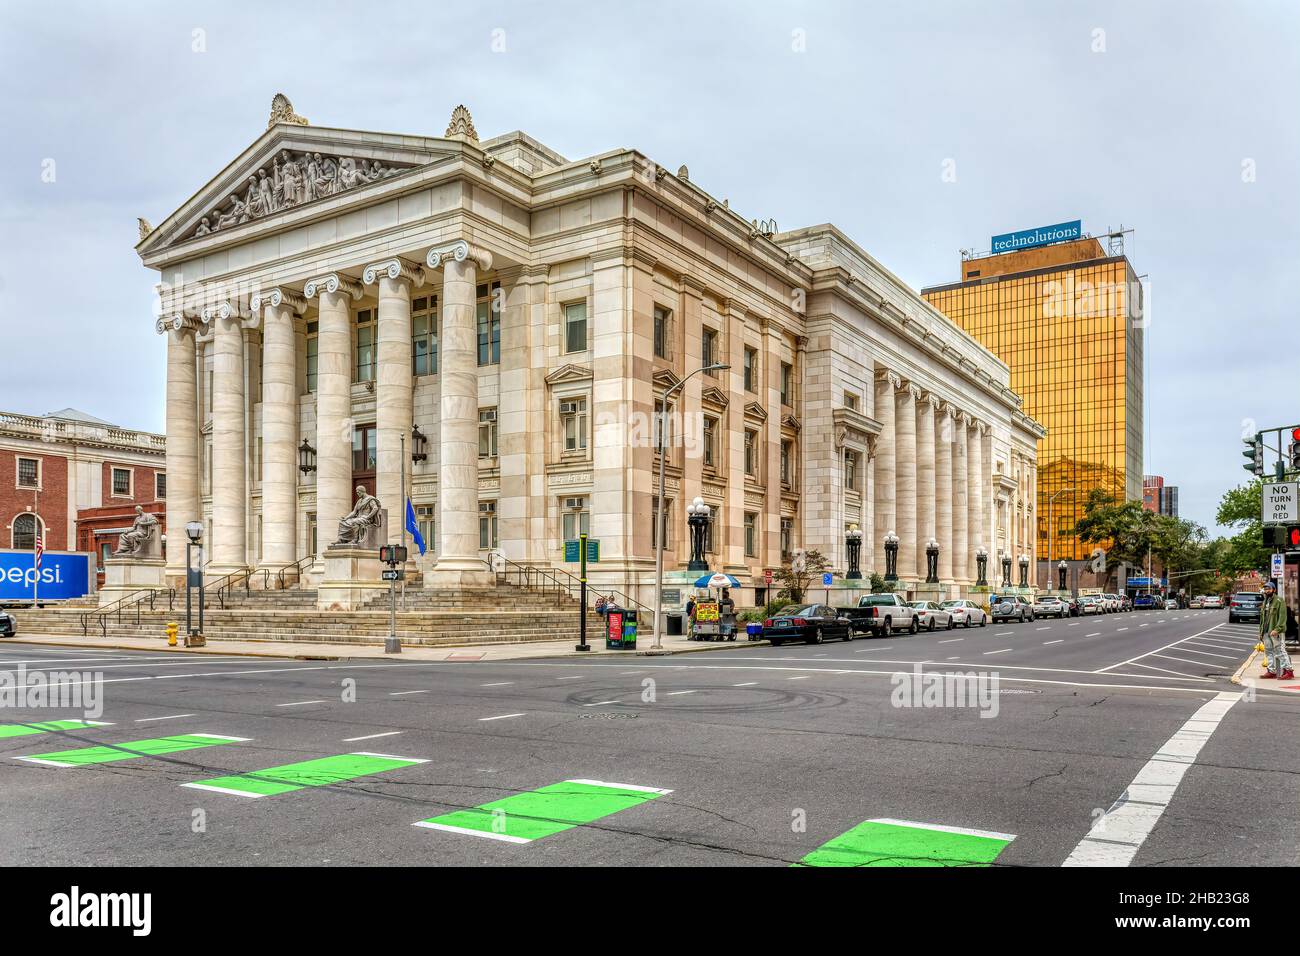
(135, 541)
(366, 514)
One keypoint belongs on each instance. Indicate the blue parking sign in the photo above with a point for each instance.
(826, 579)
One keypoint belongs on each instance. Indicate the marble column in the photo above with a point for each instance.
(905, 480)
(986, 482)
(394, 386)
(280, 309)
(962, 548)
(183, 505)
(884, 471)
(458, 557)
(334, 424)
(925, 479)
(943, 490)
(975, 496)
(229, 444)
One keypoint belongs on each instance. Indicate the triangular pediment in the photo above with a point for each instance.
(664, 378)
(712, 395)
(290, 173)
(569, 373)
(789, 421)
(755, 411)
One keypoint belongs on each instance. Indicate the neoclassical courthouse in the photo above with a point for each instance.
(493, 326)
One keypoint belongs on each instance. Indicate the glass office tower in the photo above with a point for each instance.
(1068, 319)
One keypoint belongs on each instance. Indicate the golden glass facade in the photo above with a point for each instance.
(1072, 334)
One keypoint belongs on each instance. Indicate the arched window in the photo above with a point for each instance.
(24, 532)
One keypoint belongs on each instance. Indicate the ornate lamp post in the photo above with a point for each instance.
(932, 562)
(853, 542)
(697, 517)
(419, 443)
(891, 557)
(1062, 570)
(1024, 570)
(981, 568)
(1006, 568)
(306, 457)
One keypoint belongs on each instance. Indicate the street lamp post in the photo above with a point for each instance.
(697, 518)
(1062, 570)
(932, 562)
(1005, 558)
(1024, 570)
(193, 637)
(1051, 529)
(981, 567)
(891, 557)
(660, 517)
(853, 542)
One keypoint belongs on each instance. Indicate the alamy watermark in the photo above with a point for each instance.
(975, 689)
(55, 690)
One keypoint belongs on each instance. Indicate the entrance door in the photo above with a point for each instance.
(363, 457)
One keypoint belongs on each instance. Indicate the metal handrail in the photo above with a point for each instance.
(227, 583)
(101, 615)
(296, 567)
(534, 577)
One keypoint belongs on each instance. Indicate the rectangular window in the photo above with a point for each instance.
(663, 320)
(710, 538)
(29, 472)
(787, 465)
(573, 419)
(365, 370)
(708, 348)
(710, 442)
(850, 401)
(576, 518)
(424, 336)
(160, 485)
(313, 352)
(364, 454)
(487, 433)
(751, 453)
(311, 533)
(751, 535)
(575, 327)
(121, 482)
(787, 538)
(787, 384)
(851, 471)
(487, 525)
(489, 324)
(425, 519)
(666, 525)
(666, 422)
(751, 370)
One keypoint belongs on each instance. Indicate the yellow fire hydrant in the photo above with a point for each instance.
(172, 629)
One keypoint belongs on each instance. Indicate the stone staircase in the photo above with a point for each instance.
(432, 617)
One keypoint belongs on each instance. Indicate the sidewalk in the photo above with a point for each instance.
(1248, 676)
(315, 650)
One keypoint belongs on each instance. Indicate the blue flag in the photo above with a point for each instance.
(413, 526)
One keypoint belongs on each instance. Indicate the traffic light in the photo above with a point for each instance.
(1293, 453)
(1282, 537)
(1292, 539)
(1254, 454)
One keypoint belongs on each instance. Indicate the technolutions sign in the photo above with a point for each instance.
(1042, 236)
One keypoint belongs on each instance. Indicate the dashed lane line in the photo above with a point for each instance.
(299, 703)
(501, 717)
(404, 693)
(388, 733)
(146, 720)
(952, 640)
(1059, 640)
(1002, 651)
(1093, 634)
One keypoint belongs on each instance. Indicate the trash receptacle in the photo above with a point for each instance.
(674, 624)
(620, 629)
(754, 631)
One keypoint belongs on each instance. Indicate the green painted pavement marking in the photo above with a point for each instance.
(154, 747)
(45, 726)
(526, 817)
(320, 772)
(900, 843)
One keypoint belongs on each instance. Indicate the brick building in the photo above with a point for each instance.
(76, 477)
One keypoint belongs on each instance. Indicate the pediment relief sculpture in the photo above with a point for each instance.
(292, 179)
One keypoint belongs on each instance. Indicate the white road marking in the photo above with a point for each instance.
(1164, 669)
(1048, 628)
(952, 640)
(678, 693)
(1059, 640)
(569, 678)
(622, 786)
(299, 703)
(1074, 624)
(1093, 634)
(1002, 633)
(145, 720)
(500, 717)
(486, 834)
(367, 753)
(500, 683)
(1003, 651)
(1185, 660)
(390, 733)
(225, 790)
(988, 834)
(1193, 650)
(600, 703)
(805, 677)
(748, 683)
(403, 693)
(1116, 837)
(1118, 629)
(1147, 624)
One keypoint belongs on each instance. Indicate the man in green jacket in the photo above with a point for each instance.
(1272, 631)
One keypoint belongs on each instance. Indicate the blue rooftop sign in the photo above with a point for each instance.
(1042, 236)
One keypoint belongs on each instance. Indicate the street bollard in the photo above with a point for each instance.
(172, 628)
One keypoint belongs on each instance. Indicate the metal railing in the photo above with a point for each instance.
(296, 568)
(227, 583)
(560, 581)
(135, 600)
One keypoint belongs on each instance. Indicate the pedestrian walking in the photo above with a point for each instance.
(1272, 631)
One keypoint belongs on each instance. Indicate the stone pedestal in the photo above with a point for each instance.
(352, 577)
(126, 575)
(930, 592)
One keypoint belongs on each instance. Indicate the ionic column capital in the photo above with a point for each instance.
(931, 399)
(278, 297)
(913, 389)
(893, 378)
(458, 251)
(175, 323)
(228, 310)
(334, 283)
(393, 268)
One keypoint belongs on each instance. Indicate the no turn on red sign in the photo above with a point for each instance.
(1281, 502)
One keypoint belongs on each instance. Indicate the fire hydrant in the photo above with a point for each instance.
(172, 629)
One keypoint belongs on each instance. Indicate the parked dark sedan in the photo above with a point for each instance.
(8, 625)
(810, 623)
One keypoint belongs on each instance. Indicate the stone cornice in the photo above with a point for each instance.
(393, 268)
(458, 251)
(334, 283)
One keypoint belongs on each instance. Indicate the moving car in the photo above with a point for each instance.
(966, 613)
(1144, 602)
(1049, 605)
(1212, 601)
(1014, 607)
(8, 624)
(810, 623)
(1171, 604)
(931, 615)
(1091, 604)
(882, 615)
(1196, 602)
(1244, 606)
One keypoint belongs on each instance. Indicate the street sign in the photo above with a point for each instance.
(392, 574)
(1280, 502)
(767, 577)
(1278, 563)
(826, 579)
(571, 552)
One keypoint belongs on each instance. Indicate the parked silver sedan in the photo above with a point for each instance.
(1049, 605)
(931, 615)
(966, 613)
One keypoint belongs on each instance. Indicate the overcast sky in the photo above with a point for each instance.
(1179, 119)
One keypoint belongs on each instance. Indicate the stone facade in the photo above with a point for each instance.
(565, 298)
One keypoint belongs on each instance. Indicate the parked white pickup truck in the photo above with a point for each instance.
(882, 615)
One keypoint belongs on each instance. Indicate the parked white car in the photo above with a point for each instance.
(932, 615)
(966, 613)
(1091, 604)
(1049, 605)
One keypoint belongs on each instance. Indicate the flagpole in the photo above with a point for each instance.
(402, 540)
(37, 544)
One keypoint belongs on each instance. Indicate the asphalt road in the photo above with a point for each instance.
(768, 753)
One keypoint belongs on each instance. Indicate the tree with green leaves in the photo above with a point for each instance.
(794, 584)
(1245, 551)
